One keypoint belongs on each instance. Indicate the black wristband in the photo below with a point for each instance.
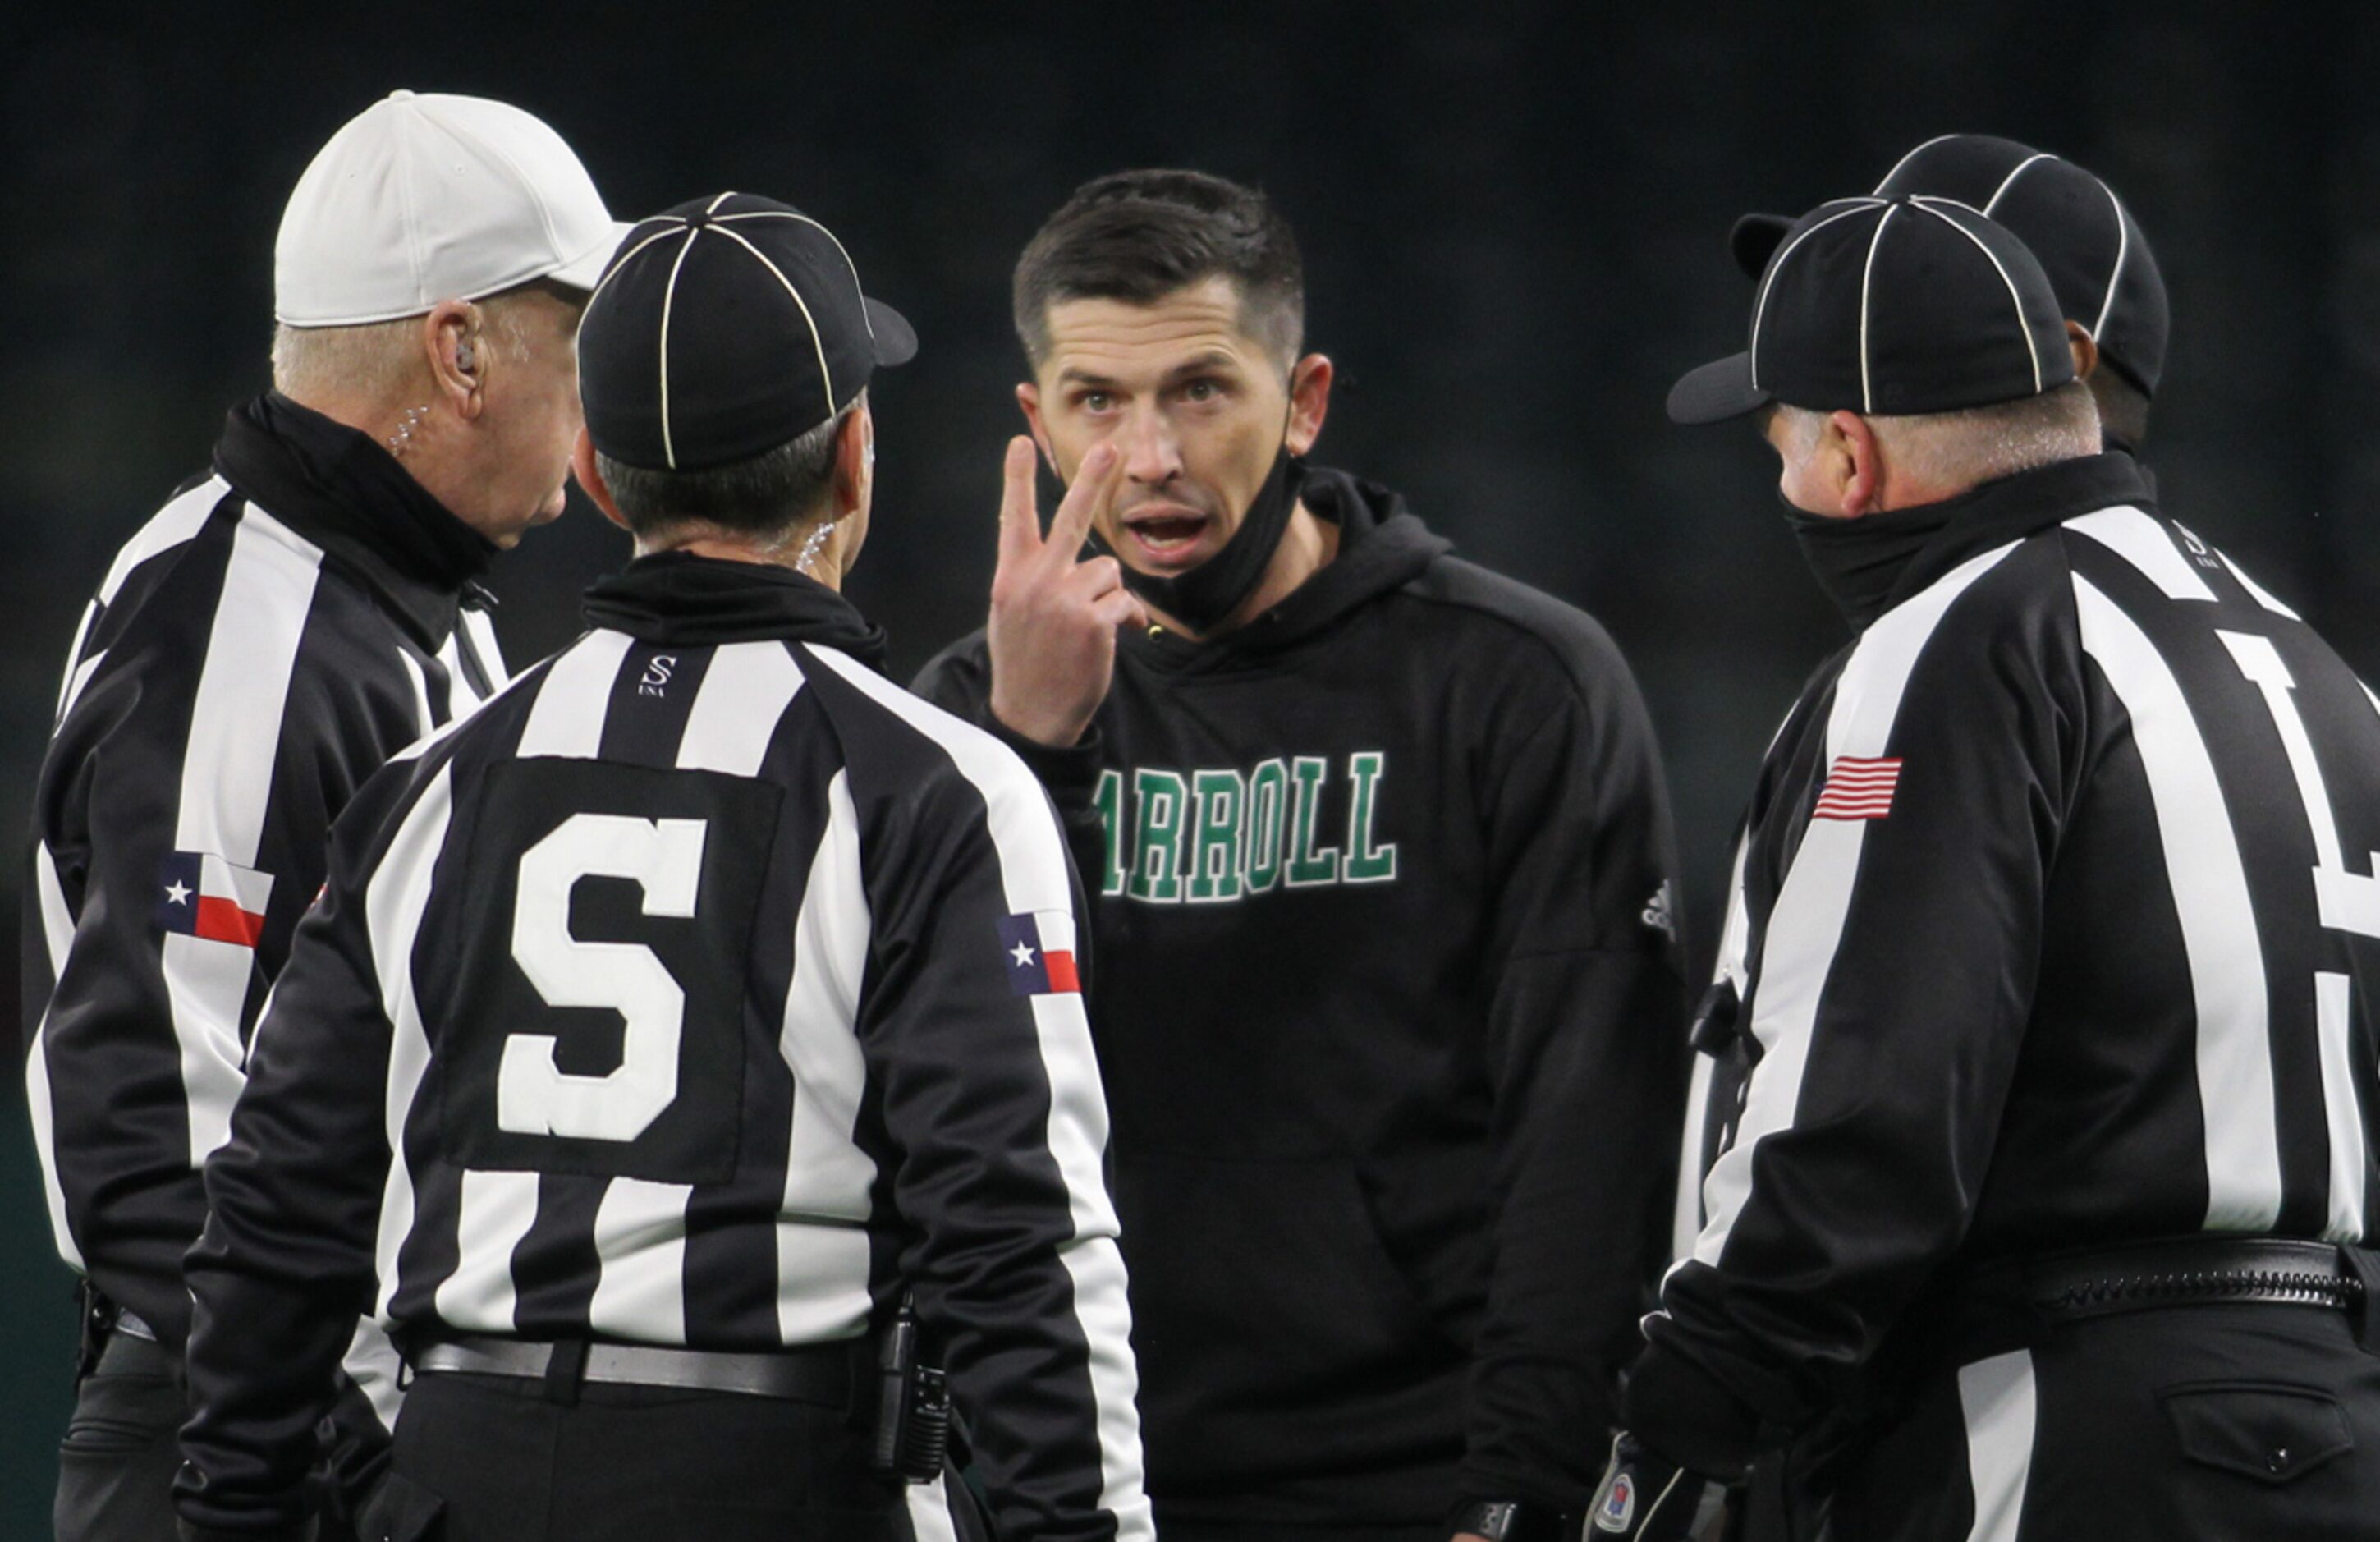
(1508, 1521)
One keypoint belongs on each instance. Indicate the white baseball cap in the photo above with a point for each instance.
(422, 198)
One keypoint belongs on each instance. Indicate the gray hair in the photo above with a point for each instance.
(373, 362)
(379, 361)
(769, 496)
(1975, 444)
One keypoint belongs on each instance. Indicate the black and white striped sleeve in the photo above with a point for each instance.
(177, 839)
(228, 691)
(1890, 992)
(287, 1263)
(975, 1034)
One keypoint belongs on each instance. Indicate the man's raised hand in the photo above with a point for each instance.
(1052, 632)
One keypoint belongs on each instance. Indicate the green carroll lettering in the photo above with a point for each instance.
(1216, 834)
(1367, 862)
(1109, 800)
(1309, 866)
(1217, 797)
(1157, 798)
(1268, 809)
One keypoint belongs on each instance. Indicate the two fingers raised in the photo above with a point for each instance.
(1020, 521)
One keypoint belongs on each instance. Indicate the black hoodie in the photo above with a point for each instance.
(1389, 1012)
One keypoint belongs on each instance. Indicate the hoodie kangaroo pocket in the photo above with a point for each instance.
(1263, 1299)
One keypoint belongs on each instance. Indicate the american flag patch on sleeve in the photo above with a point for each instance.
(1857, 788)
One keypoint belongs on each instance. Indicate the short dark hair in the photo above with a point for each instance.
(1140, 235)
(767, 495)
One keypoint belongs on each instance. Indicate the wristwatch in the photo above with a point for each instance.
(1508, 1521)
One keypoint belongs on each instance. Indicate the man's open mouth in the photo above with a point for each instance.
(1169, 534)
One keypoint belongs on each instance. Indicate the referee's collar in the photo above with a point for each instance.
(677, 596)
(341, 490)
(1870, 565)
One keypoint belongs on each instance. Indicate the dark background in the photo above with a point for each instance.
(1513, 220)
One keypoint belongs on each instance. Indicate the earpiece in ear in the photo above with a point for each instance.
(464, 360)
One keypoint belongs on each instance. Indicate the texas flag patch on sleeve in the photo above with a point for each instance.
(1039, 963)
(200, 894)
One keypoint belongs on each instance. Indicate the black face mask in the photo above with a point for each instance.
(1858, 561)
(1204, 596)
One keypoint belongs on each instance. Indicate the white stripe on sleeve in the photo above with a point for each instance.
(79, 669)
(226, 788)
(2209, 887)
(206, 983)
(394, 902)
(235, 713)
(1806, 926)
(58, 936)
(1034, 876)
(1734, 941)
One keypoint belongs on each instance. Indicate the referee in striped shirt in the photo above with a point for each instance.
(668, 1021)
(2044, 1216)
(276, 631)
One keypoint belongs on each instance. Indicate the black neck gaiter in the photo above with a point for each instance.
(1868, 564)
(1858, 561)
(341, 486)
(1201, 597)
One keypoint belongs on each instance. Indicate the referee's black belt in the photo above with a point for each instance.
(2017, 1302)
(2009, 1303)
(2186, 1271)
(828, 1374)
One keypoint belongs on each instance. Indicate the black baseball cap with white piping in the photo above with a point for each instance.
(2088, 242)
(1894, 307)
(723, 328)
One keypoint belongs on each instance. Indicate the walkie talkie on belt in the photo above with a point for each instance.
(913, 1405)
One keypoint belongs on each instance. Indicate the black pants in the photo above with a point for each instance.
(117, 1464)
(489, 1459)
(123, 1446)
(2202, 1424)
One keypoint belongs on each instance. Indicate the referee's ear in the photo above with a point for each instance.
(590, 477)
(2085, 348)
